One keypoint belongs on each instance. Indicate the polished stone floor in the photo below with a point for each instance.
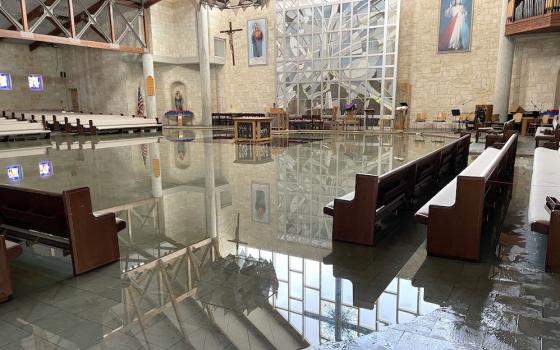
(271, 277)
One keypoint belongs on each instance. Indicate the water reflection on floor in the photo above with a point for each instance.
(271, 277)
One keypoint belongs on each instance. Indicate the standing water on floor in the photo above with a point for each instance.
(226, 245)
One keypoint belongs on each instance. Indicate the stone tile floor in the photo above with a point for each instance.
(503, 303)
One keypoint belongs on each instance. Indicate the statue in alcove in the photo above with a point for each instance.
(178, 101)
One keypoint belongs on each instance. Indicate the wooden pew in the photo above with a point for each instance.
(545, 183)
(357, 215)
(23, 129)
(8, 251)
(63, 221)
(455, 215)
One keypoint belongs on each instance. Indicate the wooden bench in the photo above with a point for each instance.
(63, 221)
(8, 251)
(546, 183)
(455, 215)
(357, 215)
(23, 129)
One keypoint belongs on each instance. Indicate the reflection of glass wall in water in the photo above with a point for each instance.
(321, 307)
(338, 52)
(311, 175)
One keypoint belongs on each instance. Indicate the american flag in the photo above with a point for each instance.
(140, 109)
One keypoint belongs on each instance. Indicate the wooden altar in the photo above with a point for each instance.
(252, 129)
(178, 118)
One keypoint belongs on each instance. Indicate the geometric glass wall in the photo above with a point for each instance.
(333, 52)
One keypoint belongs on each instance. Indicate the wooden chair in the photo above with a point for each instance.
(422, 118)
(329, 119)
(441, 119)
(350, 119)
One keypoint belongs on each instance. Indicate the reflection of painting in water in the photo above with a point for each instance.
(260, 205)
(260, 200)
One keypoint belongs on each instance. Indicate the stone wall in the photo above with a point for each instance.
(107, 81)
(247, 88)
(536, 69)
(17, 60)
(438, 82)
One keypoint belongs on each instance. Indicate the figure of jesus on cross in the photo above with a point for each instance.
(230, 33)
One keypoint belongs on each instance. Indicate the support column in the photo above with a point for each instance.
(149, 84)
(210, 186)
(504, 68)
(204, 62)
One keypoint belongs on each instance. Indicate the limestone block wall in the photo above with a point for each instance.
(439, 82)
(17, 60)
(173, 26)
(536, 73)
(107, 81)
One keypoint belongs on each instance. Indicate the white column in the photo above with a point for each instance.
(204, 62)
(504, 68)
(210, 186)
(148, 69)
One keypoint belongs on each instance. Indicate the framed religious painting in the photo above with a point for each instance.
(455, 24)
(257, 42)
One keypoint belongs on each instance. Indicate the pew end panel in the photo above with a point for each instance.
(8, 251)
(552, 261)
(5, 276)
(93, 240)
(452, 233)
(348, 223)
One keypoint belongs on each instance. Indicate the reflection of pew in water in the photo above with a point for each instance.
(460, 285)
(371, 270)
(100, 142)
(18, 152)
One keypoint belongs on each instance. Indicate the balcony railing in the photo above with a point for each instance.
(533, 16)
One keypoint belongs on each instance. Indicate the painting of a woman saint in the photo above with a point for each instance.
(257, 41)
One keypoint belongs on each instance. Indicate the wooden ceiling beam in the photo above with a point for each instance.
(31, 15)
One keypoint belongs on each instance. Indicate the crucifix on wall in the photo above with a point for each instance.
(230, 33)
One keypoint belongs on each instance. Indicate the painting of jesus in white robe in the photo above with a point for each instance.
(454, 26)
